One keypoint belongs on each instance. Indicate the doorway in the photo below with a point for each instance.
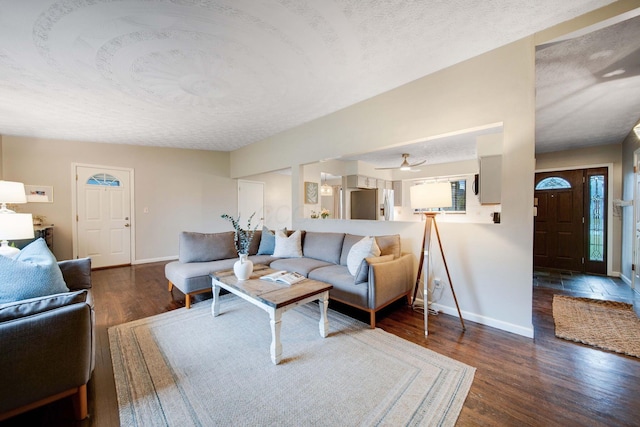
(251, 201)
(570, 227)
(102, 209)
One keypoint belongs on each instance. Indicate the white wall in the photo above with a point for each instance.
(629, 146)
(277, 199)
(184, 190)
(491, 264)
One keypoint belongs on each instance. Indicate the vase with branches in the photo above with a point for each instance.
(242, 239)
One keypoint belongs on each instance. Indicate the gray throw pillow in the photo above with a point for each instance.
(203, 247)
(76, 273)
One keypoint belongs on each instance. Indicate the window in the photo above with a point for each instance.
(104, 179)
(596, 217)
(553, 183)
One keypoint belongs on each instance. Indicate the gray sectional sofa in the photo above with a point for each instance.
(381, 280)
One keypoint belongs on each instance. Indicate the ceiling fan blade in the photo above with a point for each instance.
(419, 163)
(395, 167)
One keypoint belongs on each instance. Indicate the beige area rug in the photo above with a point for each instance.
(186, 368)
(609, 325)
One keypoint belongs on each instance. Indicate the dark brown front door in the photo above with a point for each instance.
(570, 226)
(558, 240)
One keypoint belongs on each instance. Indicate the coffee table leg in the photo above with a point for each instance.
(215, 304)
(324, 320)
(276, 345)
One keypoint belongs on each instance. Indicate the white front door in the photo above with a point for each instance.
(103, 215)
(250, 200)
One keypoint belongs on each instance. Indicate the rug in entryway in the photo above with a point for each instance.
(609, 325)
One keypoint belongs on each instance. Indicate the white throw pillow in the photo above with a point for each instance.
(288, 247)
(365, 248)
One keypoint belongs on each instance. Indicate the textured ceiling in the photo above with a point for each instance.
(219, 74)
(588, 88)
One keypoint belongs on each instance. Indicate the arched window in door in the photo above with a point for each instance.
(104, 179)
(553, 183)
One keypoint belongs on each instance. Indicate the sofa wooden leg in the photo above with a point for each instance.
(187, 301)
(372, 319)
(170, 286)
(80, 403)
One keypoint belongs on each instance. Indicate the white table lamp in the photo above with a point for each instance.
(429, 196)
(13, 226)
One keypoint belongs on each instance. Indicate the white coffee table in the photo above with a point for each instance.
(274, 298)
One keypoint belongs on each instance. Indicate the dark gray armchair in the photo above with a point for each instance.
(48, 346)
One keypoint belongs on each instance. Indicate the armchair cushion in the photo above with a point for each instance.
(34, 272)
(31, 306)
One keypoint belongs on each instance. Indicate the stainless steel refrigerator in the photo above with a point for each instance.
(364, 204)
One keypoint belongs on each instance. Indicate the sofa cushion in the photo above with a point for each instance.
(267, 242)
(76, 273)
(366, 247)
(288, 246)
(389, 244)
(349, 241)
(194, 276)
(255, 242)
(323, 246)
(362, 275)
(302, 265)
(203, 247)
(34, 272)
(31, 306)
(343, 287)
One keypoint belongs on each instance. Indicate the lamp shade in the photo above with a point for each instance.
(436, 195)
(12, 192)
(15, 226)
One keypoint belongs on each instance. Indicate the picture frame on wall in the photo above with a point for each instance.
(39, 193)
(311, 193)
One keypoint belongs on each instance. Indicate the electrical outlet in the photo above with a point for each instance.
(437, 283)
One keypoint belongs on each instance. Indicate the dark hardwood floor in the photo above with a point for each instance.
(519, 381)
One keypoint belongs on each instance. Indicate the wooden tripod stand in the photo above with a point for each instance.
(430, 219)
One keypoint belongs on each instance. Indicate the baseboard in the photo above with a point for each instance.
(150, 260)
(484, 320)
(624, 278)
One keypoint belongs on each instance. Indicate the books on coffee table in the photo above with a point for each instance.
(285, 277)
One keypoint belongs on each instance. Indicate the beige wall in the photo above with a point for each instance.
(603, 155)
(491, 264)
(182, 189)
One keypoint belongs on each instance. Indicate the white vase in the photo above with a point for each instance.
(243, 268)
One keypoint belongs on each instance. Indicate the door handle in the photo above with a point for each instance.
(126, 225)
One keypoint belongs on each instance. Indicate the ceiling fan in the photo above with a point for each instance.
(405, 165)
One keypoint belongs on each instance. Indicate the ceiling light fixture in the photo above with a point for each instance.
(637, 130)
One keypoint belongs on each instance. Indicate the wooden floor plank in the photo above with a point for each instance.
(544, 381)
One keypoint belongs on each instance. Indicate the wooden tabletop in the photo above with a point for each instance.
(271, 293)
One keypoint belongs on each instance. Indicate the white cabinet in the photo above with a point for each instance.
(361, 181)
(490, 179)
